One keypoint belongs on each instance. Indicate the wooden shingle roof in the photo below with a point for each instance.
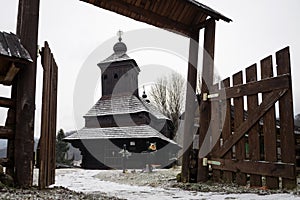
(123, 104)
(128, 132)
(12, 49)
(182, 16)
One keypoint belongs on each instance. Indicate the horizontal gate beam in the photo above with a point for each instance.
(266, 104)
(252, 88)
(6, 102)
(6, 133)
(265, 168)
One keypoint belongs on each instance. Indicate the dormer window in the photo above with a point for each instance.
(104, 77)
(116, 76)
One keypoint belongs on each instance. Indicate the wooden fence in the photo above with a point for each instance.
(47, 158)
(254, 146)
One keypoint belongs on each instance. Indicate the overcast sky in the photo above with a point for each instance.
(75, 29)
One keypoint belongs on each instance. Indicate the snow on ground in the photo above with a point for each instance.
(85, 181)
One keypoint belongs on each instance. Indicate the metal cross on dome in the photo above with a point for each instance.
(120, 33)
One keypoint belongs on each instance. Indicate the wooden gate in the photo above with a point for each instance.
(47, 158)
(255, 146)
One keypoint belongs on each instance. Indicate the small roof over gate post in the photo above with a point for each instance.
(181, 16)
(12, 56)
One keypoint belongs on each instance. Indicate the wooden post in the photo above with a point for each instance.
(190, 105)
(207, 81)
(27, 31)
(286, 113)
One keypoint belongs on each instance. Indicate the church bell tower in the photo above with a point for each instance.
(119, 73)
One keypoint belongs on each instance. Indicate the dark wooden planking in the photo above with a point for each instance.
(265, 85)
(286, 113)
(226, 131)
(54, 101)
(178, 17)
(49, 111)
(27, 31)
(268, 102)
(11, 123)
(52, 131)
(7, 103)
(189, 106)
(269, 127)
(13, 70)
(215, 132)
(238, 103)
(148, 16)
(276, 169)
(46, 62)
(253, 134)
(6, 133)
(207, 81)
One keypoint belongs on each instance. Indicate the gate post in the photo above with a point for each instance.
(207, 81)
(190, 106)
(27, 30)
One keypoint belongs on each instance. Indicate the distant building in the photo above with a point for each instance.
(123, 120)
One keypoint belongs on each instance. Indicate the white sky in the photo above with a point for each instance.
(75, 29)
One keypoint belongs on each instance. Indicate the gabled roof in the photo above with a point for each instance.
(183, 16)
(123, 104)
(137, 132)
(11, 48)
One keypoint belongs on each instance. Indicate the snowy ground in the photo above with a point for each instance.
(89, 181)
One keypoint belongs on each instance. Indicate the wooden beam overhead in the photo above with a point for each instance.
(144, 14)
(179, 16)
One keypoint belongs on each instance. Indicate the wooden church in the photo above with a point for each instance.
(122, 126)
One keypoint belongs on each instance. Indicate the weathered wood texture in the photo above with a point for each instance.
(253, 138)
(226, 131)
(47, 157)
(179, 16)
(205, 106)
(190, 106)
(27, 31)
(250, 136)
(269, 128)
(286, 115)
(238, 106)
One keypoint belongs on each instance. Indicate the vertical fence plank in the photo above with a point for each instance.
(253, 134)
(215, 126)
(269, 127)
(48, 127)
(227, 131)
(54, 100)
(50, 114)
(241, 178)
(286, 113)
(45, 118)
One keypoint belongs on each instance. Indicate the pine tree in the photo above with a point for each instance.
(62, 149)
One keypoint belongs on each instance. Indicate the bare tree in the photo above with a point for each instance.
(168, 95)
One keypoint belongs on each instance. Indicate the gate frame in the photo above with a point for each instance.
(273, 89)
